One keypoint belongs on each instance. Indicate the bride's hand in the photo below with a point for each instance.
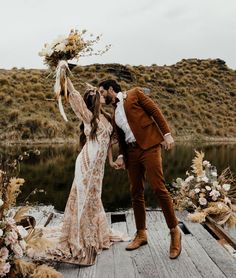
(113, 164)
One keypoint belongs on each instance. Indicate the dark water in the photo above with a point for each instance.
(53, 171)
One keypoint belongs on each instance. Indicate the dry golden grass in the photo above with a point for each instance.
(197, 94)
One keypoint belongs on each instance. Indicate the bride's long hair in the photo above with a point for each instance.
(92, 100)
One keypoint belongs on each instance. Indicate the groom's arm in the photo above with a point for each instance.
(154, 111)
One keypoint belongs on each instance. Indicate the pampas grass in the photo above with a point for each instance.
(36, 242)
(12, 191)
(24, 268)
(197, 163)
(44, 271)
(198, 217)
(20, 213)
(29, 269)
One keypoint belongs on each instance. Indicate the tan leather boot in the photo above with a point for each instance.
(139, 240)
(175, 242)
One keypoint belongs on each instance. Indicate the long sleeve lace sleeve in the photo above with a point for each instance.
(79, 107)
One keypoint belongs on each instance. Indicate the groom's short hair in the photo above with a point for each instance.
(106, 84)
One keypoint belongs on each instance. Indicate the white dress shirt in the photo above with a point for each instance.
(121, 119)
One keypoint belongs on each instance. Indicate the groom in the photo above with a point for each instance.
(141, 129)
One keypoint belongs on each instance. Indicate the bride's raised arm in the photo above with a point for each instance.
(77, 103)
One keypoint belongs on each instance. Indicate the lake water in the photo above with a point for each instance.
(53, 171)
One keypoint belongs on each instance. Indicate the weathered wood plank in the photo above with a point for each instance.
(105, 261)
(215, 251)
(160, 241)
(206, 267)
(87, 271)
(144, 263)
(68, 270)
(124, 267)
(204, 264)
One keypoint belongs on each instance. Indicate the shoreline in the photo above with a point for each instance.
(179, 140)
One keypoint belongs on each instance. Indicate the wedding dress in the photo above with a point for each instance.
(85, 230)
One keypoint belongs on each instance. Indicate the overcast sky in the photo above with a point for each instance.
(140, 31)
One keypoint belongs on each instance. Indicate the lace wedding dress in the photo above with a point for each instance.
(85, 230)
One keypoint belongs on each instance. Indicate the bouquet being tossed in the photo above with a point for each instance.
(66, 48)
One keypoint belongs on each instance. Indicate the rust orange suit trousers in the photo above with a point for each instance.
(143, 164)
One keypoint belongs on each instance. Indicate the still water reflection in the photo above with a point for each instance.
(53, 171)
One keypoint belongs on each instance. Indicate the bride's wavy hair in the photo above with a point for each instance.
(92, 100)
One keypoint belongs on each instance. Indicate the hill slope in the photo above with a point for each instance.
(198, 98)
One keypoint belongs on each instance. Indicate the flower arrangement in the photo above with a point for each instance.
(205, 193)
(70, 47)
(65, 48)
(17, 242)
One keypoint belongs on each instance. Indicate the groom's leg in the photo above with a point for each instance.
(153, 165)
(136, 176)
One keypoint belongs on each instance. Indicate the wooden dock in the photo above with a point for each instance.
(202, 255)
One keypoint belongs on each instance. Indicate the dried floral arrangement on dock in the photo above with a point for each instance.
(204, 193)
(18, 235)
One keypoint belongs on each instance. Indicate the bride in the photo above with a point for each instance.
(85, 230)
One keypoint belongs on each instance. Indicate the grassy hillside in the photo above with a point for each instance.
(198, 98)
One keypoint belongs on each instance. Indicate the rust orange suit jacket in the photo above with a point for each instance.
(145, 120)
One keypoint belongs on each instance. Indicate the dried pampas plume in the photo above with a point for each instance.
(37, 242)
(12, 191)
(20, 213)
(44, 271)
(197, 217)
(24, 268)
(197, 163)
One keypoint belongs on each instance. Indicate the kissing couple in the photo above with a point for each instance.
(140, 129)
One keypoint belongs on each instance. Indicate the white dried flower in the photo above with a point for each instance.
(179, 181)
(1, 202)
(1, 232)
(202, 201)
(197, 190)
(22, 231)
(226, 186)
(206, 163)
(188, 179)
(208, 188)
(205, 179)
(220, 205)
(60, 47)
(227, 200)
(214, 194)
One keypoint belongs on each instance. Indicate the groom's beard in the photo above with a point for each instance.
(108, 99)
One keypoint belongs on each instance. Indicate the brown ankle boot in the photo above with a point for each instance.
(139, 240)
(175, 243)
